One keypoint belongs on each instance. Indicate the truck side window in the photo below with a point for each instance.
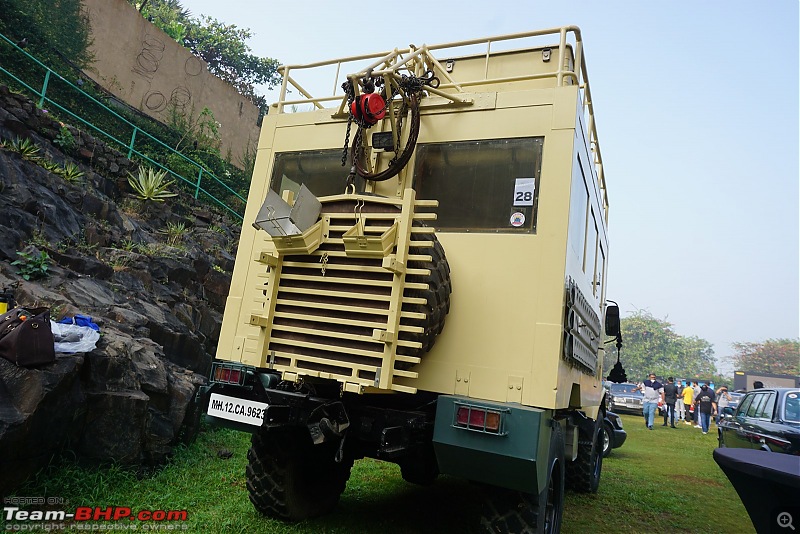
(489, 185)
(590, 257)
(320, 170)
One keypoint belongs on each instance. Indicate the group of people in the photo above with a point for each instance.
(690, 402)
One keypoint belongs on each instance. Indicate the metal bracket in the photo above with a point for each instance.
(258, 320)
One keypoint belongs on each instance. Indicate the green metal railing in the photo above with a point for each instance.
(130, 146)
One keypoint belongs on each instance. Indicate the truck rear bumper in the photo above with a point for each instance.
(513, 456)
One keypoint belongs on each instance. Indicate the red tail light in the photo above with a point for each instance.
(228, 375)
(478, 418)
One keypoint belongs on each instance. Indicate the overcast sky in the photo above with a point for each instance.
(696, 105)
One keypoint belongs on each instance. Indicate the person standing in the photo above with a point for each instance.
(653, 392)
(723, 400)
(688, 401)
(706, 405)
(697, 389)
(670, 398)
(680, 407)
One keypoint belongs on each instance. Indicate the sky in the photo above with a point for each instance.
(696, 105)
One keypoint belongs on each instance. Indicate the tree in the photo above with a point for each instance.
(51, 29)
(774, 356)
(223, 47)
(652, 345)
(169, 15)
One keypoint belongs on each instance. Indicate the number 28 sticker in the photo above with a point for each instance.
(523, 191)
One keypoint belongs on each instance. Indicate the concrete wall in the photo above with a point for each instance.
(150, 71)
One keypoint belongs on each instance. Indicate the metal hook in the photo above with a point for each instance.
(273, 220)
(358, 212)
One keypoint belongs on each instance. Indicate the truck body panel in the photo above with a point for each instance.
(443, 306)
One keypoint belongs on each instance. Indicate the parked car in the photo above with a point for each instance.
(735, 399)
(613, 434)
(765, 419)
(623, 398)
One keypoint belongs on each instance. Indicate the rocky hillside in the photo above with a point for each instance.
(153, 275)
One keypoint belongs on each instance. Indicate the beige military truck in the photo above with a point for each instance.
(421, 279)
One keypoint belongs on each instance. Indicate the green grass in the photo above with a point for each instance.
(659, 481)
(664, 480)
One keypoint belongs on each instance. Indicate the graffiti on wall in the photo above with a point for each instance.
(146, 65)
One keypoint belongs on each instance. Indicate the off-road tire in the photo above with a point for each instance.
(289, 478)
(437, 296)
(512, 512)
(583, 474)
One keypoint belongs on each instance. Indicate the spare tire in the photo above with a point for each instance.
(355, 289)
(437, 295)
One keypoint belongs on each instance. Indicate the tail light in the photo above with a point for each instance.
(478, 418)
(227, 374)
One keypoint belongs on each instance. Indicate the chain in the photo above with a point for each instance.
(324, 261)
(351, 95)
(408, 85)
(347, 139)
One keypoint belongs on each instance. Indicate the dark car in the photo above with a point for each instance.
(736, 398)
(766, 419)
(613, 434)
(623, 398)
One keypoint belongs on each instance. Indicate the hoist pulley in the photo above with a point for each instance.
(368, 108)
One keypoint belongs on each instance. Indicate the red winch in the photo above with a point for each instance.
(368, 108)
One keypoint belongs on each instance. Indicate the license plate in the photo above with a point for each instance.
(239, 410)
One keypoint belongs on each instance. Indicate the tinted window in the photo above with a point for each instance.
(320, 170)
(591, 247)
(744, 405)
(601, 270)
(758, 400)
(579, 202)
(791, 407)
(767, 407)
(486, 186)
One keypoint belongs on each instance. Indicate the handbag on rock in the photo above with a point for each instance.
(25, 336)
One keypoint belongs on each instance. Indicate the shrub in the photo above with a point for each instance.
(175, 232)
(65, 139)
(32, 266)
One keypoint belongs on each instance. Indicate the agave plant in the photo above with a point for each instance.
(51, 166)
(150, 184)
(25, 148)
(71, 172)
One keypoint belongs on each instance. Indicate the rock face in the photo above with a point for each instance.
(154, 277)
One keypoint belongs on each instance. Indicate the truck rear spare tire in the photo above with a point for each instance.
(320, 312)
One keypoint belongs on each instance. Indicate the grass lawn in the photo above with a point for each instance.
(663, 480)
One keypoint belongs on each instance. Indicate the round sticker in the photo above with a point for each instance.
(517, 219)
